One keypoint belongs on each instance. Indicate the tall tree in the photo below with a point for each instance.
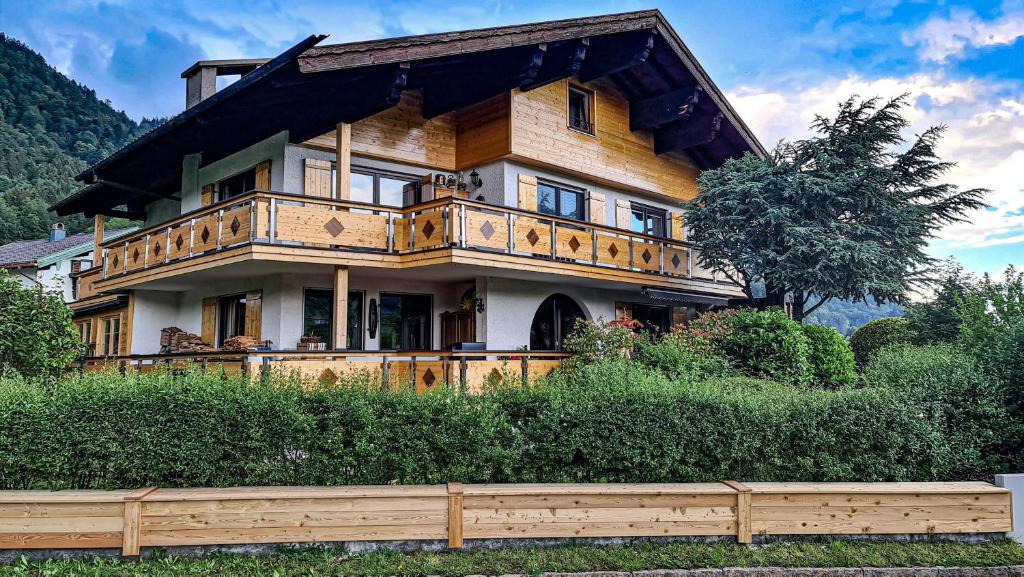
(844, 214)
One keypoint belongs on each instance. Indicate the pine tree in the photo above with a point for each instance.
(844, 214)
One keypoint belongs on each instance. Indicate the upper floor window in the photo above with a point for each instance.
(560, 201)
(648, 220)
(378, 187)
(581, 109)
(238, 184)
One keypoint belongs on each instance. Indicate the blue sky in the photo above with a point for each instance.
(780, 62)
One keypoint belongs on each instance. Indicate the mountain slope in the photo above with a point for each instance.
(51, 128)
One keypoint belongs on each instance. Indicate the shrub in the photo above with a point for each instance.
(611, 421)
(593, 341)
(951, 390)
(767, 344)
(878, 334)
(830, 357)
(37, 337)
(682, 357)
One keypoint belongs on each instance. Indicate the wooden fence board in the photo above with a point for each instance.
(239, 515)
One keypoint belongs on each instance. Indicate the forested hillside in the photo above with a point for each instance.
(51, 128)
(847, 316)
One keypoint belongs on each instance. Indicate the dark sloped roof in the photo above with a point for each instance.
(307, 90)
(25, 253)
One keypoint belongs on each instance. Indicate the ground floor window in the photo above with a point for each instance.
(656, 319)
(111, 335)
(230, 317)
(405, 321)
(318, 317)
(553, 321)
(85, 332)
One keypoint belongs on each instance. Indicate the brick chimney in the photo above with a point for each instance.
(201, 77)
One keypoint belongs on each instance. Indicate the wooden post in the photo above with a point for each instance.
(743, 533)
(340, 320)
(98, 225)
(343, 161)
(454, 515)
(131, 534)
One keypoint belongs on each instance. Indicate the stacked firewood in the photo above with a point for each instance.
(242, 343)
(311, 343)
(175, 340)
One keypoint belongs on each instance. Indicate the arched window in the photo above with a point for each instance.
(553, 321)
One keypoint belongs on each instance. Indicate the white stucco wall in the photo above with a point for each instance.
(193, 177)
(282, 306)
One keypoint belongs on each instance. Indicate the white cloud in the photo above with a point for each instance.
(939, 38)
(985, 137)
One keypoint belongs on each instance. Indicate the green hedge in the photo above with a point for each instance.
(830, 357)
(880, 333)
(614, 422)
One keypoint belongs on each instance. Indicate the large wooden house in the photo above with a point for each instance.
(418, 194)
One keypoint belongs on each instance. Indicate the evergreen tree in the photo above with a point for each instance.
(844, 214)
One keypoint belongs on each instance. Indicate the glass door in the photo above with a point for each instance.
(405, 322)
(318, 317)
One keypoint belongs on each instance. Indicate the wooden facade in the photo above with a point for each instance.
(150, 517)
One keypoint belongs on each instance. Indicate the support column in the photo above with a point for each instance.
(98, 224)
(343, 161)
(340, 320)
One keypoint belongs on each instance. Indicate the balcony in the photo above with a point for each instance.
(280, 226)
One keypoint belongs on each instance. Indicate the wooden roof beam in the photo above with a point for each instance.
(616, 53)
(479, 82)
(684, 134)
(653, 112)
(555, 69)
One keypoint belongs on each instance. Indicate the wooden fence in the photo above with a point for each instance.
(249, 515)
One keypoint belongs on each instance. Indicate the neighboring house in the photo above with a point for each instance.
(48, 263)
(56, 264)
(416, 193)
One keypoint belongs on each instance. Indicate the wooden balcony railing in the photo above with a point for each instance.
(295, 220)
(421, 370)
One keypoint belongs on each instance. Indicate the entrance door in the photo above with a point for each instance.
(405, 322)
(554, 320)
(655, 319)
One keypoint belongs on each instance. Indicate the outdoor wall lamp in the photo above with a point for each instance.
(474, 177)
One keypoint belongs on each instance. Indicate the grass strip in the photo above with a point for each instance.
(320, 562)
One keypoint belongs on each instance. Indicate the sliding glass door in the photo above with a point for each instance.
(405, 322)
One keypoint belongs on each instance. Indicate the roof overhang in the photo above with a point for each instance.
(307, 90)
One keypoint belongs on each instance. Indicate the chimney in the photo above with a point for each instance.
(201, 77)
(57, 232)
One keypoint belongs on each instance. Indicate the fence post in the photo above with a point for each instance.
(743, 534)
(265, 371)
(454, 515)
(132, 530)
(525, 366)
(462, 375)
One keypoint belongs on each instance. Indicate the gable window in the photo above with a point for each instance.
(581, 109)
(378, 187)
(648, 220)
(560, 201)
(238, 184)
(230, 317)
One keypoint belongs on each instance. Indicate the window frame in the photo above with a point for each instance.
(591, 100)
(111, 338)
(647, 210)
(221, 300)
(360, 340)
(377, 174)
(217, 185)
(559, 188)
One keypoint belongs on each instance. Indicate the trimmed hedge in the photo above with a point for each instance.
(767, 344)
(830, 356)
(880, 333)
(609, 421)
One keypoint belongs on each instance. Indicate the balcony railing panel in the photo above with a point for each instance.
(295, 220)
